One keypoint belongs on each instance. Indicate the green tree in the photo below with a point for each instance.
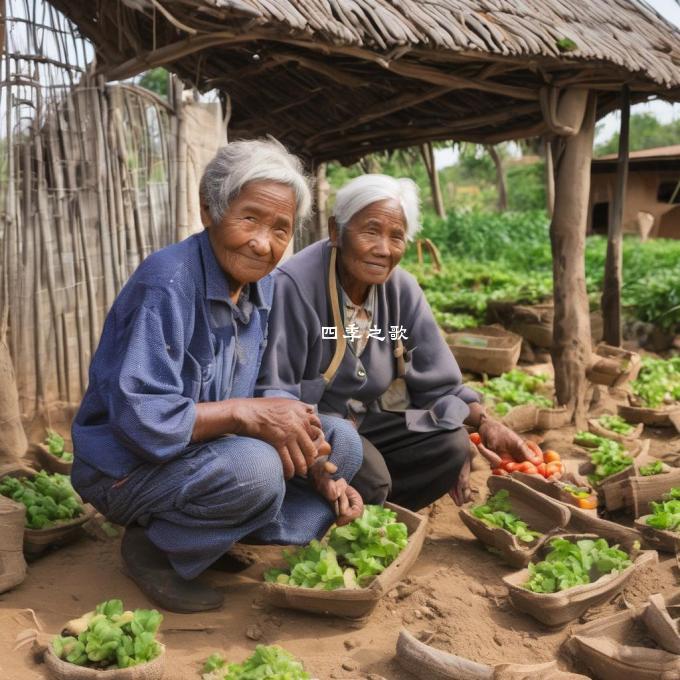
(646, 132)
(156, 80)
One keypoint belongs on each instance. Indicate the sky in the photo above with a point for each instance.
(665, 112)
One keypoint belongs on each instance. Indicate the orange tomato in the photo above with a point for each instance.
(499, 472)
(475, 438)
(542, 469)
(511, 466)
(551, 456)
(554, 468)
(589, 503)
(527, 467)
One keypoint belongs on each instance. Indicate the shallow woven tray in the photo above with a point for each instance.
(656, 417)
(49, 462)
(556, 609)
(596, 428)
(355, 603)
(539, 512)
(613, 366)
(62, 670)
(658, 539)
(600, 646)
(498, 356)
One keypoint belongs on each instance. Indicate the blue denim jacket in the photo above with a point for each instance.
(173, 338)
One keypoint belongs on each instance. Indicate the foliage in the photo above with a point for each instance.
(266, 663)
(609, 457)
(55, 445)
(350, 557)
(513, 388)
(49, 499)
(497, 511)
(111, 638)
(651, 469)
(156, 80)
(646, 132)
(658, 382)
(526, 187)
(666, 514)
(615, 424)
(570, 564)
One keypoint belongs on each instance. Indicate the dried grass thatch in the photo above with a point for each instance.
(337, 79)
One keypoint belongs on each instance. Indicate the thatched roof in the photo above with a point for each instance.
(338, 78)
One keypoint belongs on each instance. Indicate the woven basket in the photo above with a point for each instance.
(50, 462)
(556, 609)
(355, 603)
(658, 539)
(498, 353)
(596, 428)
(12, 562)
(656, 417)
(613, 366)
(63, 670)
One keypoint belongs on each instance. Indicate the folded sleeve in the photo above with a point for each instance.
(293, 354)
(150, 392)
(435, 382)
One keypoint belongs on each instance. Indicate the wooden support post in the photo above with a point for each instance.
(549, 178)
(611, 294)
(571, 349)
(321, 199)
(500, 177)
(427, 152)
(182, 217)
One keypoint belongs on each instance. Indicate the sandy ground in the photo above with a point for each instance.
(455, 601)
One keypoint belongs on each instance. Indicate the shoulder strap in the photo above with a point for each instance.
(340, 342)
(399, 352)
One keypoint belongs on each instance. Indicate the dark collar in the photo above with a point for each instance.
(216, 281)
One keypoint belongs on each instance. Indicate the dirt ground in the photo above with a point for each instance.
(455, 601)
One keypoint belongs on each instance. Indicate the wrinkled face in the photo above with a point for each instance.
(254, 232)
(373, 242)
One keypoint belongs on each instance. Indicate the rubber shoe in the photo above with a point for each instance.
(151, 570)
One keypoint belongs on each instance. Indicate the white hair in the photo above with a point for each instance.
(367, 189)
(265, 160)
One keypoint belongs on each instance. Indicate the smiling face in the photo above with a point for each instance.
(254, 232)
(370, 246)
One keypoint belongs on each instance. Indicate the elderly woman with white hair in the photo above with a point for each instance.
(169, 440)
(352, 332)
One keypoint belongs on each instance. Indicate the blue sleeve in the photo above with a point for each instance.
(149, 409)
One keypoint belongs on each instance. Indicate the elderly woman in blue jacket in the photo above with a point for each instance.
(169, 440)
(352, 332)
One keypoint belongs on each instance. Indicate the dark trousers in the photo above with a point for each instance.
(411, 469)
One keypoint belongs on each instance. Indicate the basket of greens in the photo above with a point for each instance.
(54, 512)
(55, 453)
(266, 662)
(614, 427)
(108, 643)
(352, 567)
(515, 520)
(661, 528)
(575, 572)
(655, 398)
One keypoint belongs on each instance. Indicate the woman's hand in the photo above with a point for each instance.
(498, 438)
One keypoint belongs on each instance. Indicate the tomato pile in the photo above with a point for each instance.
(548, 463)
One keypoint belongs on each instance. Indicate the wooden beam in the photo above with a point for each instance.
(611, 294)
(571, 350)
(549, 177)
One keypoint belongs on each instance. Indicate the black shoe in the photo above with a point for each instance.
(151, 570)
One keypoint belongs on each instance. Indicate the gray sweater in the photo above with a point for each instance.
(296, 355)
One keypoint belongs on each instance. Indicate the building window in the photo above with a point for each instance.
(666, 191)
(600, 221)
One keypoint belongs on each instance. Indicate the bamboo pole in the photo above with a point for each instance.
(549, 177)
(427, 152)
(571, 349)
(611, 294)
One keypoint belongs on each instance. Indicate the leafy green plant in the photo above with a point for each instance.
(666, 514)
(651, 469)
(497, 511)
(615, 424)
(588, 439)
(49, 498)
(351, 555)
(608, 458)
(55, 445)
(514, 388)
(110, 637)
(569, 564)
(658, 382)
(267, 662)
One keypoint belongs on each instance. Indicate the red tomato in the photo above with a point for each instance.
(551, 456)
(511, 466)
(475, 438)
(542, 469)
(527, 467)
(500, 472)
(554, 468)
